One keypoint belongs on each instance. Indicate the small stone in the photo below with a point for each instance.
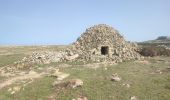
(133, 98)
(76, 83)
(70, 83)
(56, 83)
(60, 75)
(82, 98)
(13, 92)
(128, 85)
(115, 77)
(159, 71)
(32, 72)
(10, 89)
(17, 88)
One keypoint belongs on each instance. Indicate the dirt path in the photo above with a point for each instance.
(31, 75)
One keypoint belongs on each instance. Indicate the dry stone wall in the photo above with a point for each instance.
(90, 44)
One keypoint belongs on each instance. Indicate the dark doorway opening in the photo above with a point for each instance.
(104, 50)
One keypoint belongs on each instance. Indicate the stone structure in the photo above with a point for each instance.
(100, 43)
(104, 43)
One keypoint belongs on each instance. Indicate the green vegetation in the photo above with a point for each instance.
(154, 49)
(9, 59)
(144, 80)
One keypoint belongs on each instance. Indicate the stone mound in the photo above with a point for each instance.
(104, 43)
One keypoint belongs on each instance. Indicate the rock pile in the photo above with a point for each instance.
(46, 57)
(104, 43)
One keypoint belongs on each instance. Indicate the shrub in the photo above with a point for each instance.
(154, 51)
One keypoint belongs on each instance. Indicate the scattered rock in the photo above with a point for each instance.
(31, 75)
(105, 68)
(133, 98)
(127, 85)
(81, 98)
(62, 76)
(13, 92)
(70, 83)
(32, 72)
(14, 89)
(115, 77)
(17, 88)
(68, 58)
(76, 83)
(158, 71)
(59, 75)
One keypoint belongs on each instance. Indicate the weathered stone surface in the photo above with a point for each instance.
(104, 43)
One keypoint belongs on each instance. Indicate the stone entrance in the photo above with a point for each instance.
(104, 50)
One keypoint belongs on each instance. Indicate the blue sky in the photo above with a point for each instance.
(30, 22)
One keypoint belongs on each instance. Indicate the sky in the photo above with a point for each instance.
(49, 22)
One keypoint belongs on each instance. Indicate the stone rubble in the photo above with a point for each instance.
(45, 57)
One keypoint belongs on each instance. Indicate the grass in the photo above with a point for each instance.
(144, 82)
(38, 90)
(9, 59)
(97, 84)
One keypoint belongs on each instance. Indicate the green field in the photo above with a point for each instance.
(148, 79)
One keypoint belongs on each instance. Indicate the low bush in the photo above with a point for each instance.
(154, 51)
